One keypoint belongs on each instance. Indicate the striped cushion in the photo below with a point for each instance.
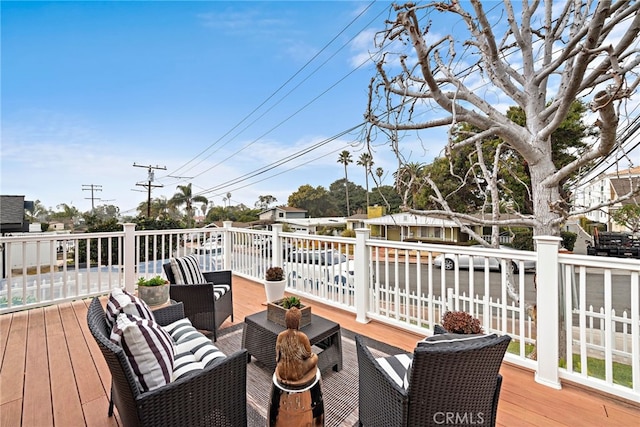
(186, 270)
(194, 351)
(456, 341)
(149, 349)
(121, 301)
(219, 290)
(398, 368)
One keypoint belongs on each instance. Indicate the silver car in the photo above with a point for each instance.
(320, 266)
(448, 260)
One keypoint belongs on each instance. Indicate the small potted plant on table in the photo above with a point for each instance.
(154, 291)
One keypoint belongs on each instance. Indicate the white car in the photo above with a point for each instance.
(319, 266)
(448, 260)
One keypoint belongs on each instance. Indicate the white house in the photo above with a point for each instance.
(604, 188)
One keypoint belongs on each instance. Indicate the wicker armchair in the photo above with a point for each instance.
(459, 381)
(215, 396)
(200, 306)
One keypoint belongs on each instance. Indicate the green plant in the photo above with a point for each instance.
(154, 281)
(568, 239)
(274, 274)
(460, 322)
(289, 302)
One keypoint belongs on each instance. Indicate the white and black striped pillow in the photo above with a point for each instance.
(149, 349)
(186, 270)
(398, 367)
(193, 351)
(121, 301)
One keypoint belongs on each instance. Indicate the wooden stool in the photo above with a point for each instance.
(296, 407)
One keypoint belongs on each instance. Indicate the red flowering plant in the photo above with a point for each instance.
(460, 322)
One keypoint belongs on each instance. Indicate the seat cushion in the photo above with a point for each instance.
(220, 290)
(149, 349)
(193, 351)
(121, 301)
(186, 270)
(457, 341)
(398, 367)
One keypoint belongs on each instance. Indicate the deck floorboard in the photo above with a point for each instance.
(53, 374)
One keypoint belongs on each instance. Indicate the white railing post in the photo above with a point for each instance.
(228, 244)
(361, 274)
(276, 245)
(547, 321)
(129, 257)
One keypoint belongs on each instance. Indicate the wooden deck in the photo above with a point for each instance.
(53, 374)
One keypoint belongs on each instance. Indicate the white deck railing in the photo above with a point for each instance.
(590, 303)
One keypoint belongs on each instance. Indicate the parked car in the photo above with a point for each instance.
(320, 266)
(448, 260)
(212, 245)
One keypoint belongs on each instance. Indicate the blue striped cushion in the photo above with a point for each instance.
(149, 349)
(186, 270)
(398, 368)
(121, 301)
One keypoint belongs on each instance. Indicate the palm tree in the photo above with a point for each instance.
(408, 180)
(379, 173)
(185, 197)
(366, 160)
(345, 159)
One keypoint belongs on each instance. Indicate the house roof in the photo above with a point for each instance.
(625, 172)
(623, 186)
(407, 219)
(357, 217)
(309, 222)
(283, 208)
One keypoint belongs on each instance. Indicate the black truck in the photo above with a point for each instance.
(615, 244)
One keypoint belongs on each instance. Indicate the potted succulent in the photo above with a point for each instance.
(460, 322)
(153, 291)
(277, 310)
(274, 283)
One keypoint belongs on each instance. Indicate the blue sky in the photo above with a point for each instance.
(212, 91)
(217, 92)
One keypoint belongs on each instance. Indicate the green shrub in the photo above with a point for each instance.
(568, 239)
(348, 233)
(522, 239)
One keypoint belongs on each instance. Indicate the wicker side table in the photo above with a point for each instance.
(259, 338)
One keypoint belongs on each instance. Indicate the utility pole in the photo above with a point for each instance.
(92, 188)
(149, 183)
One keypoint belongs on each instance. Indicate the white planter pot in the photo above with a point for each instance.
(274, 289)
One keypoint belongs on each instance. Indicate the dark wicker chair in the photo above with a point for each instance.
(215, 396)
(200, 305)
(444, 381)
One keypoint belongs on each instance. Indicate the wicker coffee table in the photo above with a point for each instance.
(259, 338)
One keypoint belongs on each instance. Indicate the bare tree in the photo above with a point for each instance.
(540, 59)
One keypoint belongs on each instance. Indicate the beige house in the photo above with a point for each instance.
(406, 226)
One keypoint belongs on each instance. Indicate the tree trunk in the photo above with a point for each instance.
(545, 200)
